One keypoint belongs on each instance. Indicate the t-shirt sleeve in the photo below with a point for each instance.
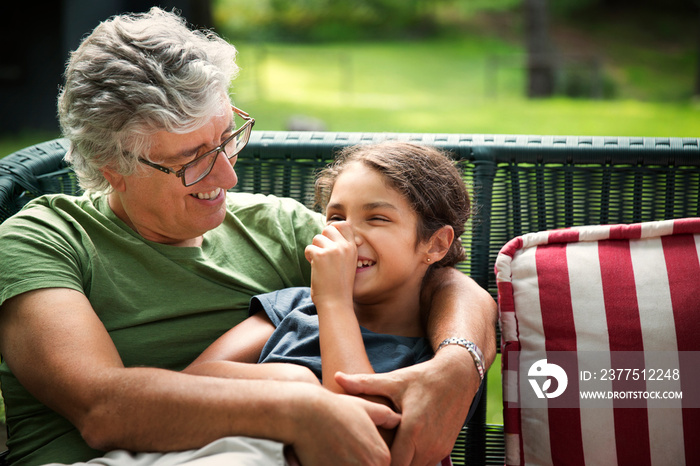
(278, 304)
(39, 250)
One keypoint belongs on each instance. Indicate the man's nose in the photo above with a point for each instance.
(224, 172)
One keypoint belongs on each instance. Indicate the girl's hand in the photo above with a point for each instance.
(333, 258)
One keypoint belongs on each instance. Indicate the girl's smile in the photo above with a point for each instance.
(363, 264)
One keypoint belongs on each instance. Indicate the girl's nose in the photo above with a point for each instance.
(357, 235)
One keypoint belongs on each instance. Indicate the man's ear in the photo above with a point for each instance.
(115, 179)
(440, 243)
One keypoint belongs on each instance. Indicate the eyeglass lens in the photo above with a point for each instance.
(203, 166)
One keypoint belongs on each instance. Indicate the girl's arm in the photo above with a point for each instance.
(333, 257)
(234, 355)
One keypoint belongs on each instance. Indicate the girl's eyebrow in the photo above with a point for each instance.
(334, 206)
(379, 205)
(367, 207)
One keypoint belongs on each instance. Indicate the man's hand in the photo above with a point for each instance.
(433, 407)
(344, 432)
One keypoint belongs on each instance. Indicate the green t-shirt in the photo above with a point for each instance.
(162, 305)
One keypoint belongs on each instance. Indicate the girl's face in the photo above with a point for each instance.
(390, 262)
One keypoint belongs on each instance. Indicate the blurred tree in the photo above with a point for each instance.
(672, 9)
(540, 61)
(329, 19)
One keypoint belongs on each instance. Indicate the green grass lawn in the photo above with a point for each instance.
(442, 86)
(494, 402)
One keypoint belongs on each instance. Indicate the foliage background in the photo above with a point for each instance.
(460, 66)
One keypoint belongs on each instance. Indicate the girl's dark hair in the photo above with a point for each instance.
(425, 176)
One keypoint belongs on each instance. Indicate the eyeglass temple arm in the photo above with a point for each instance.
(156, 166)
(240, 112)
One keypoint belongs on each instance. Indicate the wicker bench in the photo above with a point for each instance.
(520, 184)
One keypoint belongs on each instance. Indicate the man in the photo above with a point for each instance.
(107, 296)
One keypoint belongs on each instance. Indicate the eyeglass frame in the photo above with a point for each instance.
(247, 126)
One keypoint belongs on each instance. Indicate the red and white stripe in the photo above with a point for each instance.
(601, 288)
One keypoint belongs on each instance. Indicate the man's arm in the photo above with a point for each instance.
(60, 351)
(461, 308)
(434, 397)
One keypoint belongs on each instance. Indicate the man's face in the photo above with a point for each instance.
(158, 206)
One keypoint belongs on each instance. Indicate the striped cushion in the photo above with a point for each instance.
(619, 288)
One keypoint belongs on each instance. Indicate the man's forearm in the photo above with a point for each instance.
(460, 308)
(169, 413)
(173, 411)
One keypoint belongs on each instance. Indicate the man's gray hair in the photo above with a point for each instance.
(135, 75)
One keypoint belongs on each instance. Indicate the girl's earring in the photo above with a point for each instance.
(428, 260)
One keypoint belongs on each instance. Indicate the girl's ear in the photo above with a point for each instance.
(439, 244)
(115, 179)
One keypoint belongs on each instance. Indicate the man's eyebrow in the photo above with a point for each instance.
(189, 153)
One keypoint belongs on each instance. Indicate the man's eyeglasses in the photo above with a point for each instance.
(194, 171)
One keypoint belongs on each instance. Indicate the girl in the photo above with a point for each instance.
(394, 211)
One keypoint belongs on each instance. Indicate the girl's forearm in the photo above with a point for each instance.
(266, 371)
(342, 347)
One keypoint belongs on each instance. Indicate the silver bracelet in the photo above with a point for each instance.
(474, 351)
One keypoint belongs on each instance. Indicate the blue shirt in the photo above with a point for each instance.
(296, 336)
